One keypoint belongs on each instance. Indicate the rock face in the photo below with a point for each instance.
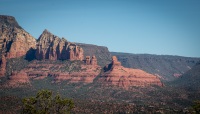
(52, 47)
(14, 41)
(117, 75)
(3, 66)
(70, 71)
(18, 79)
(86, 75)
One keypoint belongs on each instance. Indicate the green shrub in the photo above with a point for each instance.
(44, 103)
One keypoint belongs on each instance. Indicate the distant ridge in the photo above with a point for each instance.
(167, 67)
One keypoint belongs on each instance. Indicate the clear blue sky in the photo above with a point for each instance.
(169, 27)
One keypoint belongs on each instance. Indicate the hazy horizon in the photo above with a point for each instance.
(140, 26)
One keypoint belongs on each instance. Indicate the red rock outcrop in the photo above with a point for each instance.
(52, 47)
(18, 79)
(87, 60)
(3, 66)
(73, 72)
(117, 75)
(14, 41)
(86, 75)
(92, 61)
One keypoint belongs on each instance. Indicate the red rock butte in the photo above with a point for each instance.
(117, 75)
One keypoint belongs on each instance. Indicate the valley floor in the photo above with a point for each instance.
(94, 98)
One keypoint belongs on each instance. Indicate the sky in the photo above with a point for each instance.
(162, 27)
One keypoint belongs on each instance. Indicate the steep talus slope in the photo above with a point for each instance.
(102, 53)
(166, 67)
(14, 41)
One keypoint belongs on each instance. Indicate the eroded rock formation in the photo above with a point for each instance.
(18, 79)
(52, 47)
(14, 41)
(86, 75)
(117, 75)
(71, 71)
(92, 61)
(3, 66)
(87, 60)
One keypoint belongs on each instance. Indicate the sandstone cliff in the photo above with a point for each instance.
(70, 71)
(14, 41)
(52, 47)
(117, 75)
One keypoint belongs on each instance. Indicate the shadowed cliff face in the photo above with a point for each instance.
(14, 41)
(52, 47)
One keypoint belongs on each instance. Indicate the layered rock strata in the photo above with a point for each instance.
(117, 75)
(14, 41)
(52, 47)
(72, 72)
(18, 79)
